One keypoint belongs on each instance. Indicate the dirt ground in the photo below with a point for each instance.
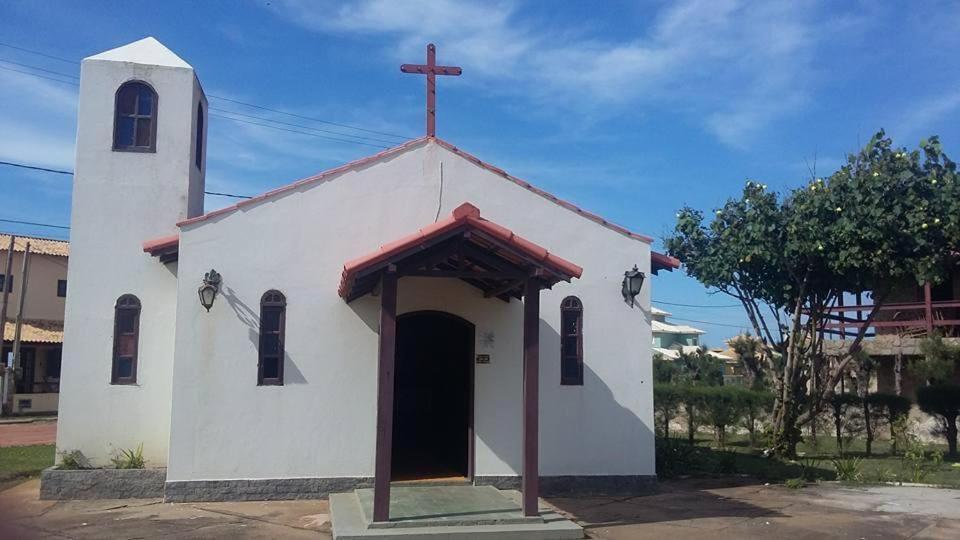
(681, 509)
(28, 433)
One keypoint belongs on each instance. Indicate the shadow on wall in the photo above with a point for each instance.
(573, 424)
(251, 319)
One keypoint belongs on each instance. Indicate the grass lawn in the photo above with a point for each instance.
(24, 461)
(815, 462)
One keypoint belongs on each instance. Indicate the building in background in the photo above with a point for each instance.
(669, 340)
(37, 385)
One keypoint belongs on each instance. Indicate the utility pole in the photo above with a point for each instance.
(7, 286)
(17, 369)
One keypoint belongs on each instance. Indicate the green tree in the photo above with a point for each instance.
(750, 351)
(942, 401)
(893, 409)
(698, 368)
(938, 361)
(886, 216)
(667, 399)
(664, 369)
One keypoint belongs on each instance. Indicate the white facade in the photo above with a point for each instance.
(120, 199)
(198, 407)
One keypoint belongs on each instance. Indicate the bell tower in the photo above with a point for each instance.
(140, 165)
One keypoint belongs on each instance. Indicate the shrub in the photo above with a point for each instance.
(884, 474)
(756, 404)
(721, 406)
(893, 410)
(73, 460)
(673, 457)
(667, 399)
(840, 405)
(914, 465)
(938, 362)
(849, 469)
(795, 483)
(129, 459)
(942, 402)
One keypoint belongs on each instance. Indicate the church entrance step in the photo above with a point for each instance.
(449, 512)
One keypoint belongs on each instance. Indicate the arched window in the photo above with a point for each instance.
(126, 335)
(135, 118)
(571, 341)
(273, 308)
(198, 151)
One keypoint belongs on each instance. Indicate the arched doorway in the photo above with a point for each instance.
(433, 397)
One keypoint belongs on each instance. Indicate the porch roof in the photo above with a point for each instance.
(465, 246)
(34, 331)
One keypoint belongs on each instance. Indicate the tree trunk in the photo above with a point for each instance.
(869, 425)
(838, 423)
(952, 435)
(897, 369)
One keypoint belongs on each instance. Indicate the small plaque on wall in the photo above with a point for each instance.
(483, 358)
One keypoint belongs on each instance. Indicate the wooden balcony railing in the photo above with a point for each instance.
(908, 318)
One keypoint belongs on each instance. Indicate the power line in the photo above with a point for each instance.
(40, 69)
(38, 53)
(44, 169)
(70, 173)
(38, 75)
(270, 126)
(309, 118)
(35, 224)
(695, 305)
(215, 115)
(302, 126)
(740, 326)
(231, 100)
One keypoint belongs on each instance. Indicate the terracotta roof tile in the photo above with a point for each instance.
(464, 215)
(39, 246)
(35, 331)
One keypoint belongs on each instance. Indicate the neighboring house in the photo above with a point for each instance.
(41, 335)
(910, 314)
(670, 339)
(419, 281)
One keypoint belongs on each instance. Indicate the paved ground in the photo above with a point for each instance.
(683, 509)
(25, 433)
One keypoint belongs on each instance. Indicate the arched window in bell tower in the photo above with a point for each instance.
(198, 151)
(135, 118)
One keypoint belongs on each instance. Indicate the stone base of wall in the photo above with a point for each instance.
(279, 489)
(57, 484)
(552, 486)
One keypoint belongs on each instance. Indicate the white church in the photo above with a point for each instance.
(416, 315)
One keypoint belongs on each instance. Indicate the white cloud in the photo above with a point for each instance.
(927, 114)
(737, 65)
(38, 121)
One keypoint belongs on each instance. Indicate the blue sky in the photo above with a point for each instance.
(629, 109)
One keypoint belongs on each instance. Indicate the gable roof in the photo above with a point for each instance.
(498, 247)
(406, 146)
(38, 245)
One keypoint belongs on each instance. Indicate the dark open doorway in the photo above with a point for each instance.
(433, 403)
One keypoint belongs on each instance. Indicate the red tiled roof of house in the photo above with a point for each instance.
(38, 245)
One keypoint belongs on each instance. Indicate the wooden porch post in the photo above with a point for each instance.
(928, 307)
(530, 484)
(385, 373)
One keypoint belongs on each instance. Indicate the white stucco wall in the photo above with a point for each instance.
(120, 200)
(322, 422)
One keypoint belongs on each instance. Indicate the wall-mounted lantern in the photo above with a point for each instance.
(632, 283)
(208, 291)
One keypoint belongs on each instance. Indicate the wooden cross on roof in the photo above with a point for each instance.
(431, 70)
